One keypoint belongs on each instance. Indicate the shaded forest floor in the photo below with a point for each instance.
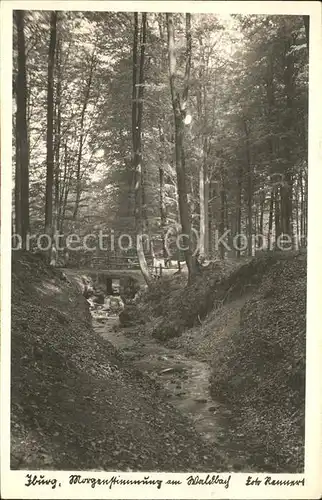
(76, 402)
(247, 323)
(210, 378)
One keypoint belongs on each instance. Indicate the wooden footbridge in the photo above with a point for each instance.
(122, 267)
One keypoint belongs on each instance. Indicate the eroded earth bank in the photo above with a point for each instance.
(209, 377)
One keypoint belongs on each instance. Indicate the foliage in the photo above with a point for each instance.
(248, 104)
(242, 168)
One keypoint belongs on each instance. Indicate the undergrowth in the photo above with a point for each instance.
(174, 306)
(76, 403)
(260, 372)
(257, 359)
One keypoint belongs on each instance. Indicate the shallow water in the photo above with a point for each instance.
(184, 379)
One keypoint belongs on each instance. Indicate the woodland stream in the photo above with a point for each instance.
(185, 380)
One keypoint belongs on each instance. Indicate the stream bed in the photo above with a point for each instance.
(185, 380)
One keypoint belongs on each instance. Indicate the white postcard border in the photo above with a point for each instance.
(13, 482)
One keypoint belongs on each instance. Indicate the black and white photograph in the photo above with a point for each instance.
(158, 182)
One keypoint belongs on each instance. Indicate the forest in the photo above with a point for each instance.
(160, 199)
(162, 124)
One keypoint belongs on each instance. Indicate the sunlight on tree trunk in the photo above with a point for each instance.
(82, 133)
(57, 137)
(50, 157)
(50, 119)
(22, 160)
(17, 179)
(179, 104)
(248, 134)
(22, 146)
(204, 201)
(137, 113)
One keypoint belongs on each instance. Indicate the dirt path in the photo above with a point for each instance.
(185, 380)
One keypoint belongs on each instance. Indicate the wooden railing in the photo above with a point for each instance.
(157, 266)
(115, 263)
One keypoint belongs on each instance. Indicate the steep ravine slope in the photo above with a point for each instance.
(76, 404)
(248, 322)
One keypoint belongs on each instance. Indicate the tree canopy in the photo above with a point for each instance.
(220, 135)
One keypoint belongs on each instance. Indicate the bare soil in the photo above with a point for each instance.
(77, 404)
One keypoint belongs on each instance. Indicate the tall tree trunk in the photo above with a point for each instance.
(306, 21)
(286, 205)
(262, 210)
(163, 213)
(202, 232)
(17, 181)
(227, 225)
(162, 154)
(270, 221)
(65, 200)
(297, 202)
(226, 209)
(222, 216)
(305, 207)
(212, 219)
(302, 229)
(203, 203)
(22, 160)
(277, 219)
(232, 227)
(203, 169)
(271, 145)
(50, 127)
(238, 210)
(62, 191)
(206, 212)
(137, 114)
(179, 105)
(145, 220)
(192, 197)
(287, 185)
(82, 134)
(249, 191)
(57, 136)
